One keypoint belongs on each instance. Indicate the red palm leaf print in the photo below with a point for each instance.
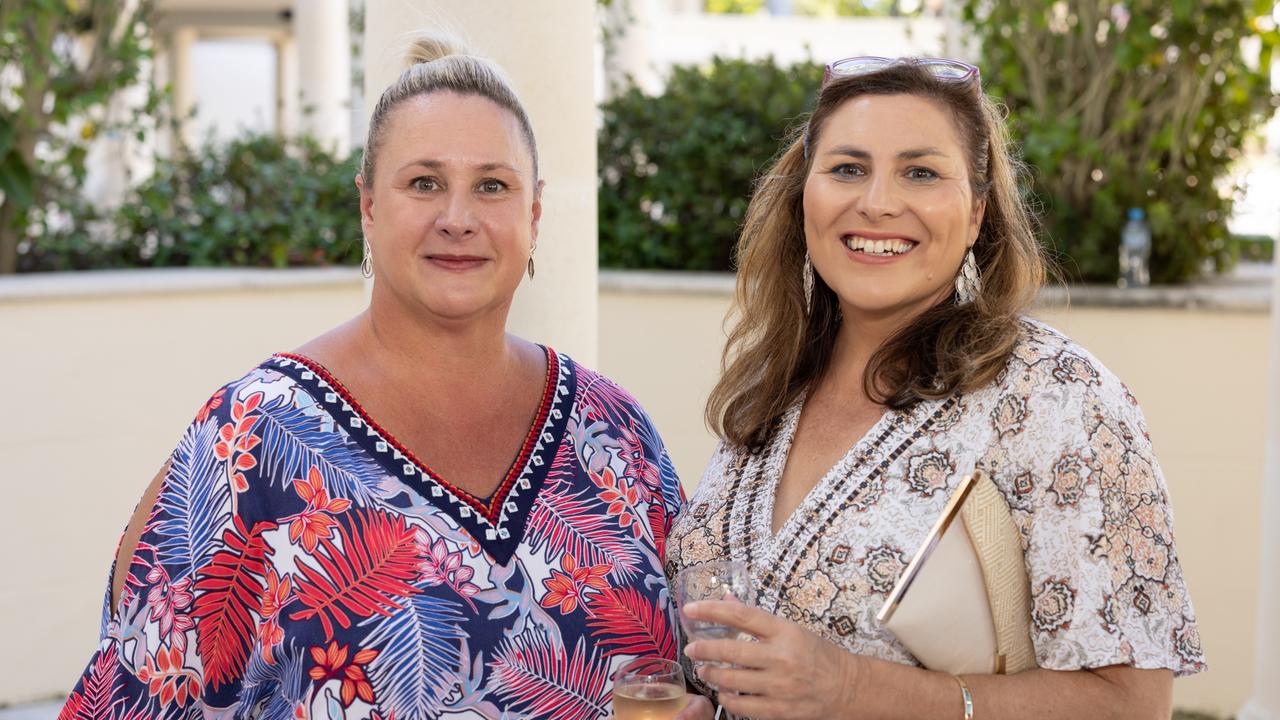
(95, 698)
(625, 622)
(373, 568)
(563, 522)
(228, 589)
(658, 520)
(544, 681)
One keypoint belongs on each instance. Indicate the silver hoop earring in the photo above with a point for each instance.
(366, 265)
(968, 280)
(806, 277)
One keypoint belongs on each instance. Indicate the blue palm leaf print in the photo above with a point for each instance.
(419, 657)
(194, 503)
(280, 685)
(295, 440)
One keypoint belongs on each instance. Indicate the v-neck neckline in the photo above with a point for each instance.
(854, 483)
(779, 451)
(497, 521)
(778, 454)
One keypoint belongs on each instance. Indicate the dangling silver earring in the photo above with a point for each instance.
(968, 280)
(366, 265)
(531, 267)
(806, 276)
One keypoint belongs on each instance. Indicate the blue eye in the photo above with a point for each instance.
(848, 170)
(921, 173)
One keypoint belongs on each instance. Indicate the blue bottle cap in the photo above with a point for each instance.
(1136, 214)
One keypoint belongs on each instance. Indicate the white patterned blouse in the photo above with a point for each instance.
(1067, 445)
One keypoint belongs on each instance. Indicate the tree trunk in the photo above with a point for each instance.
(8, 239)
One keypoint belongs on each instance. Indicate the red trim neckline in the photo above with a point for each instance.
(493, 510)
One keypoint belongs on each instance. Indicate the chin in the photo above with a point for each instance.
(461, 303)
(868, 302)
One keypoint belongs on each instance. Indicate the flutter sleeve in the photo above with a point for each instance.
(179, 638)
(1076, 462)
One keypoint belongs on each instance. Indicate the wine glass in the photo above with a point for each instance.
(648, 688)
(717, 580)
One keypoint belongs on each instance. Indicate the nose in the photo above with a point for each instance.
(880, 198)
(456, 219)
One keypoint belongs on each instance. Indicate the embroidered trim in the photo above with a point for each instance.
(497, 522)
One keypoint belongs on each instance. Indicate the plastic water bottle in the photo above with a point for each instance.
(1135, 251)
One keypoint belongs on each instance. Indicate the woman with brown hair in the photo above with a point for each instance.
(881, 354)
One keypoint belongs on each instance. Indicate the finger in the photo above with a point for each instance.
(733, 679)
(734, 652)
(698, 708)
(752, 706)
(752, 621)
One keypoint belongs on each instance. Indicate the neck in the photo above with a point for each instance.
(861, 334)
(452, 351)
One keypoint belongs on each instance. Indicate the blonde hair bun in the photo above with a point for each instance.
(424, 46)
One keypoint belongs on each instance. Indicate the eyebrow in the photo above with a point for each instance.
(913, 154)
(437, 165)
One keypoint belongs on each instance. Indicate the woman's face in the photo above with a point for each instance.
(453, 210)
(888, 208)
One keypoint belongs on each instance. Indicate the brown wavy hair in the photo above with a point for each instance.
(776, 349)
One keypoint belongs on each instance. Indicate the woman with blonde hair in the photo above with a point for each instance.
(881, 354)
(417, 514)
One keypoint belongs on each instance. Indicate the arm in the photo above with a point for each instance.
(171, 642)
(1116, 691)
(133, 533)
(792, 673)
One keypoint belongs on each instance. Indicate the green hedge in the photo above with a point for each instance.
(676, 170)
(257, 201)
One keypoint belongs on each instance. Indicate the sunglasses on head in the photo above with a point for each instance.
(941, 68)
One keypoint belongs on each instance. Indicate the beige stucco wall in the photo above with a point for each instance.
(96, 390)
(94, 393)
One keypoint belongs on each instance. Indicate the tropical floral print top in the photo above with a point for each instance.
(1067, 445)
(301, 563)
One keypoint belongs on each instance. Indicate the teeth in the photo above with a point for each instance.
(894, 246)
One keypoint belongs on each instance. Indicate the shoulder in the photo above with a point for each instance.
(258, 390)
(1045, 361)
(1053, 393)
(598, 391)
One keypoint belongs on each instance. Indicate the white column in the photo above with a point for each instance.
(286, 86)
(1264, 704)
(182, 78)
(323, 39)
(633, 44)
(546, 49)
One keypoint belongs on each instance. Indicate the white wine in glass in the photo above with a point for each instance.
(648, 689)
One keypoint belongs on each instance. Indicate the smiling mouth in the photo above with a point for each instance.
(455, 262)
(888, 247)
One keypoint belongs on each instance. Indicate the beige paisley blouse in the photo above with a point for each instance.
(1065, 442)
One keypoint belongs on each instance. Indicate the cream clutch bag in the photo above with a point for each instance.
(963, 605)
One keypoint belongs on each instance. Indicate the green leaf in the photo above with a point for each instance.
(17, 181)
